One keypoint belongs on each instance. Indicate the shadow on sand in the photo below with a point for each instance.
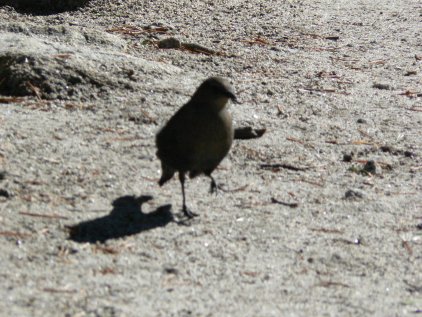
(125, 219)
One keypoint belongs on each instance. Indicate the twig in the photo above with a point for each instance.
(123, 139)
(336, 142)
(326, 91)
(309, 182)
(291, 205)
(257, 40)
(55, 290)
(14, 234)
(404, 193)
(330, 283)
(415, 108)
(62, 56)
(328, 49)
(319, 90)
(327, 230)
(135, 31)
(36, 90)
(346, 241)
(42, 216)
(11, 99)
(242, 188)
(378, 61)
(413, 288)
(364, 133)
(106, 250)
(407, 247)
(363, 142)
(277, 166)
(196, 48)
(289, 138)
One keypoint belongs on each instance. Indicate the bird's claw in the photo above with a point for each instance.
(188, 213)
(213, 188)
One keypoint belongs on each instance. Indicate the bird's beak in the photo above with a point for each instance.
(232, 97)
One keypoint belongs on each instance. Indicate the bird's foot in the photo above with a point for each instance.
(214, 187)
(188, 213)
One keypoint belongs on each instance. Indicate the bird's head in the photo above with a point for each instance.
(215, 92)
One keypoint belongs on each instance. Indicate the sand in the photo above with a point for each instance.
(320, 216)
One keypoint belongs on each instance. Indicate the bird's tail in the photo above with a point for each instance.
(167, 174)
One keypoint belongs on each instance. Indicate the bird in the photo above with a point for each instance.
(198, 136)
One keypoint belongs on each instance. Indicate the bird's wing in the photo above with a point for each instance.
(176, 141)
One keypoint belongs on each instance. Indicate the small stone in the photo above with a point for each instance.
(4, 193)
(348, 157)
(409, 154)
(371, 168)
(387, 148)
(411, 73)
(354, 194)
(171, 270)
(245, 133)
(170, 42)
(362, 121)
(382, 86)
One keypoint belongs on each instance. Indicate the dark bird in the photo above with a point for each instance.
(198, 136)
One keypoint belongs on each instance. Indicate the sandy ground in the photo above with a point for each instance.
(321, 216)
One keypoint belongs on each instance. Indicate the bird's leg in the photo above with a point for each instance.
(213, 187)
(186, 211)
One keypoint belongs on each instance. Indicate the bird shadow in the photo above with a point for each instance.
(125, 219)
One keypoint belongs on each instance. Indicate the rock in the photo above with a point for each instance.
(50, 69)
(382, 86)
(348, 157)
(354, 194)
(371, 168)
(170, 42)
(4, 193)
